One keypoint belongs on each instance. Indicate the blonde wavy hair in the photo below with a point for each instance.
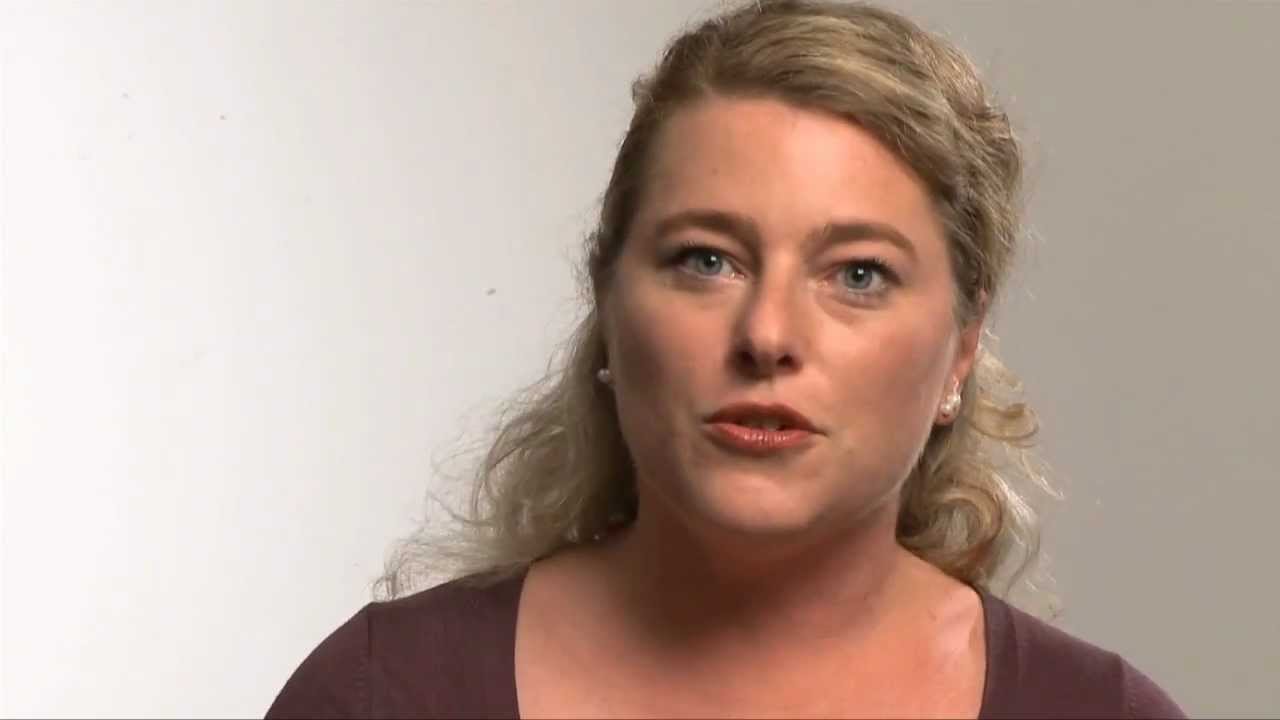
(558, 472)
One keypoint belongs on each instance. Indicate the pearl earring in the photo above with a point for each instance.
(951, 405)
(605, 375)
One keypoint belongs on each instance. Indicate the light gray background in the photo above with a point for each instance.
(263, 261)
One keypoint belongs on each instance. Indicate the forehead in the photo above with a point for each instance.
(788, 168)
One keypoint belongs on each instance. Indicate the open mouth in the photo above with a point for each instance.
(755, 427)
(770, 424)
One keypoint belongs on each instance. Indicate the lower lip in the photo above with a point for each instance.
(757, 440)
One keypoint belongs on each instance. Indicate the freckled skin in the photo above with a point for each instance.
(778, 322)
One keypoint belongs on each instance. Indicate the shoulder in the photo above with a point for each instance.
(473, 609)
(448, 650)
(332, 681)
(1037, 670)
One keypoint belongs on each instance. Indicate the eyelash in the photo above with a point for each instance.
(880, 265)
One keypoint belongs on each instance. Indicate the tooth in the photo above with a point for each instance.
(772, 424)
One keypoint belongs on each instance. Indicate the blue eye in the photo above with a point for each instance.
(702, 261)
(864, 276)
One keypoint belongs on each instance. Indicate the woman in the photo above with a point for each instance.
(768, 481)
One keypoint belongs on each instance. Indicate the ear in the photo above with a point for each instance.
(604, 325)
(970, 339)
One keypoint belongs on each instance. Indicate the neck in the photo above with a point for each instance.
(724, 592)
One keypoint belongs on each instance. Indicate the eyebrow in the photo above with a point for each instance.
(745, 229)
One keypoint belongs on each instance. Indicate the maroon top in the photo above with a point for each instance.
(450, 652)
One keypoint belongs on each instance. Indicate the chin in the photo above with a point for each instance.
(755, 505)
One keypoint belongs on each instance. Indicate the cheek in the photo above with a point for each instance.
(657, 352)
(895, 376)
(917, 365)
(661, 366)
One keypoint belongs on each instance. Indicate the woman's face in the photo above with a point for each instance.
(780, 256)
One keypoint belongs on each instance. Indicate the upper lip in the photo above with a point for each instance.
(739, 412)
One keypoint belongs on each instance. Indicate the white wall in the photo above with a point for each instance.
(261, 260)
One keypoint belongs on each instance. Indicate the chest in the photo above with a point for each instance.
(558, 679)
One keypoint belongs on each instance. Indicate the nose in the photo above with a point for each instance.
(768, 338)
